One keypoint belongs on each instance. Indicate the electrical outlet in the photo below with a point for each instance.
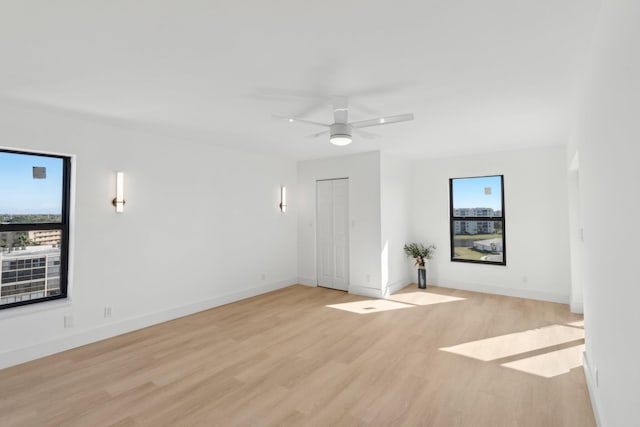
(263, 276)
(525, 279)
(368, 278)
(107, 312)
(595, 374)
(68, 321)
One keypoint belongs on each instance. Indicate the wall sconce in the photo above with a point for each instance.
(118, 201)
(283, 199)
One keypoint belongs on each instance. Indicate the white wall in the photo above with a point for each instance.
(363, 171)
(536, 223)
(608, 143)
(395, 211)
(200, 228)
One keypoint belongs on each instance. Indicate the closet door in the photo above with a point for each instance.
(332, 233)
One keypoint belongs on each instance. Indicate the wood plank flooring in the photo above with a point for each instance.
(285, 358)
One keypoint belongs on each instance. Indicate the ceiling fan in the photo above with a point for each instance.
(340, 130)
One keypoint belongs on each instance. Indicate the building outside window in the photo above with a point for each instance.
(34, 227)
(477, 219)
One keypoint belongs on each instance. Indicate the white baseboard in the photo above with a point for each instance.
(307, 281)
(46, 348)
(510, 292)
(365, 292)
(591, 386)
(394, 287)
(576, 307)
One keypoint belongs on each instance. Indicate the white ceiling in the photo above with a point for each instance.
(478, 75)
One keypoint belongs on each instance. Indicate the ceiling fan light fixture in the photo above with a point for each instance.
(340, 134)
(340, 140)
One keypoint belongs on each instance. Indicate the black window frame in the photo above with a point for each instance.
(453, 218)
(63, 226)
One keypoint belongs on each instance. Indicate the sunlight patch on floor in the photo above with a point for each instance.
(550, 364)
(370, 306)
(422, 298)
(578, 324)
(517, 343)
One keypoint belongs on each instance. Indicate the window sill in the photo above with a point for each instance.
(26, 310)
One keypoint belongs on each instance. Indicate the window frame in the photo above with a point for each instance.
(453, 219)
(63, 226)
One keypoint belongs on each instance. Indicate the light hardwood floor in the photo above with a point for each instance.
(285, 358)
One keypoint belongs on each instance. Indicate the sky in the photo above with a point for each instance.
(470, 193)
(20, 193)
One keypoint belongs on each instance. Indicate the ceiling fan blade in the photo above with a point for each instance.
(364, 133)
(340, 109)
(315, 135)
(294, 119)
(382, 121)
(313, 106)
(382, 89)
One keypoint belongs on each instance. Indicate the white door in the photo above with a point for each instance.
(332, 206)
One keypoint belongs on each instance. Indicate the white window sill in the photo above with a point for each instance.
(25, 310)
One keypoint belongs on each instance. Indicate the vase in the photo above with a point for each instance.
(422, 276)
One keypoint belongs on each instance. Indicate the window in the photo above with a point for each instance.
(34, 227)
(477, 219)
